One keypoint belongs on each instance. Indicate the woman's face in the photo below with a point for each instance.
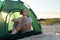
(25, 13)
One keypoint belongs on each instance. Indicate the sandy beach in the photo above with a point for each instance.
(49, 32)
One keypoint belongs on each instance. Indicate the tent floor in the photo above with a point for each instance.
(19, 35)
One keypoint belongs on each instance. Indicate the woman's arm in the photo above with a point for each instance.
(29, 25)
(15, 20)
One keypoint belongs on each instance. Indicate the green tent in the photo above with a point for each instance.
(10, 10)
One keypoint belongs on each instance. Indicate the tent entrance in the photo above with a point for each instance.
(12, 15)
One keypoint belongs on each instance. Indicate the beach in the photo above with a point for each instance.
(49, 32)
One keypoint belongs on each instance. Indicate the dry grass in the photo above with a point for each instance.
(50, 21)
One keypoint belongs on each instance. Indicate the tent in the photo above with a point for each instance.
(10, 10)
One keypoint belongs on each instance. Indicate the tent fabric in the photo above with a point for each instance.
(10, 6)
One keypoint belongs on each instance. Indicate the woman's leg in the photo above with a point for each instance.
(17, 28)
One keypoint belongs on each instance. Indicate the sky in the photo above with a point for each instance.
(45, 8)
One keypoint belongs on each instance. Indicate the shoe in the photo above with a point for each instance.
(14, 32)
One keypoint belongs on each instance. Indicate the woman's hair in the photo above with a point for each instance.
(21, 11)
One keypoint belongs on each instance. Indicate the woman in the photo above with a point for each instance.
(24, 23)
